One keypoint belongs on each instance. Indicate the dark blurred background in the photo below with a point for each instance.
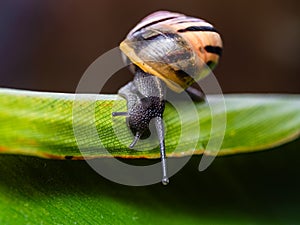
(47, 45)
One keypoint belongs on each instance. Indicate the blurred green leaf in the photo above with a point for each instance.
(261, 188)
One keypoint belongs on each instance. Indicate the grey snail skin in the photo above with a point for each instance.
(167, 50)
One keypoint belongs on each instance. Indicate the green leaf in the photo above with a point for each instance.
(245, 189)
(260, 188)
(41, 124)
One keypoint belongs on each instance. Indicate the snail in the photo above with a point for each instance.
(167, 50)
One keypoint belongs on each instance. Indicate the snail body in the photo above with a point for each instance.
(166, 49)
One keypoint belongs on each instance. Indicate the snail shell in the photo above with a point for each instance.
(174, 47)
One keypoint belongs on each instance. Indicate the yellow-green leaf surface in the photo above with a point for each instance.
(41, 124)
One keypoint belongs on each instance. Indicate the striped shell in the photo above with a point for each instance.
(178, 49)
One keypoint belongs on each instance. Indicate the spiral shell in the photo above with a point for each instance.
(178, 49)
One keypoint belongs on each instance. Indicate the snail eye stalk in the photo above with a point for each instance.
(135, 140)
(119, 114)
(161, 136)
